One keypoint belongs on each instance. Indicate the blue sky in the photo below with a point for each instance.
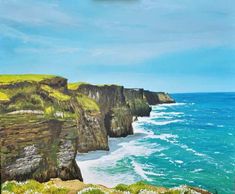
(162, 45)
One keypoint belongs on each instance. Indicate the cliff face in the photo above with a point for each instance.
(154, 98)
(137, 103)
(107, 96)
(91, 132)
(33, 147)
(116, 114)
(38, 129)
(45, 121)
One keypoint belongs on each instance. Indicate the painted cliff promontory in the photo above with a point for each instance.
(45, 122)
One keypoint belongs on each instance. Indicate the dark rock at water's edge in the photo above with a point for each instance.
(137, 102)
(154, 98)
(45, 121)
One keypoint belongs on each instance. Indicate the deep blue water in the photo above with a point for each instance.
(191, 142)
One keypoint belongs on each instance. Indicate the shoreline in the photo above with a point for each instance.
(87, 161)
(118, 150)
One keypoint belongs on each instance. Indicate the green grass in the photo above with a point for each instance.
(4, 97)
(31, 187)
(93, 191)
(49, 111)
(136, 187)
(75, 86)
(87, 103)
(10, 79)
(55, 93)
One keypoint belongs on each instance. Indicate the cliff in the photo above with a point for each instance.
(111, 100)
(45, 121)
(38, 129)
(154, 98)
(137, 103)
(33, 147)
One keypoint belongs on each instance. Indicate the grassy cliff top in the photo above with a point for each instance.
(75, 86)
(11, 79)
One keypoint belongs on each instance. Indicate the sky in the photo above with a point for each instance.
(161, 45)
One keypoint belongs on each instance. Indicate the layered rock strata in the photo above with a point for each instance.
(116, 113)
(137, 103)
(44, 122)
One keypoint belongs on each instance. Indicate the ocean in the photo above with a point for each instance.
(190, 142)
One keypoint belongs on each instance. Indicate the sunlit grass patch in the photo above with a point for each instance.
(91, 190)
(4, 97)
(75, 86)
(87, 103)
(140, 187)
(55, 93)
(31, 187)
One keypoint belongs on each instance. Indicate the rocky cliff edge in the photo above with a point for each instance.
(45, 121)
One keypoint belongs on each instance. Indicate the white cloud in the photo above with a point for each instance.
(34, 13)
(117, 33)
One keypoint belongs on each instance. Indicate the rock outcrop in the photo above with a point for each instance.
(38, 129)
(91, 132)
(33, 147)
(154, 98)
(137, 103)
(45, 122)
(116, 114)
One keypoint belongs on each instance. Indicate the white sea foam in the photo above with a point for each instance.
(172, 104)
(169, 138)
(165, 106)
(162, 154)
(160, 123)
(173, 140)
(164, 136)
(197, 170)
(177, 178)
(179, 161)
(91, 166)
(165, 115)
(140, 171)
(191, 150)
(156, 107)
(210, 124)
(150, 134)
(98, 167)
(154, 174)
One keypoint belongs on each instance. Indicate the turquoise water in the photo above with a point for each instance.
(191, 142)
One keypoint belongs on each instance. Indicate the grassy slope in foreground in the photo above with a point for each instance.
(57, 186)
